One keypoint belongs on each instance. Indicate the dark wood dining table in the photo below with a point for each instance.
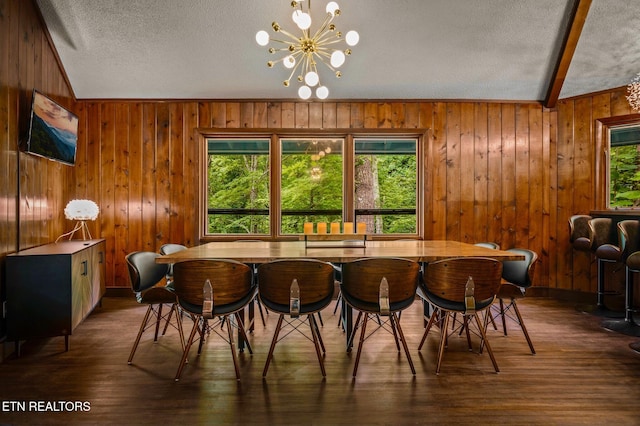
(338, 251)
(423, 251)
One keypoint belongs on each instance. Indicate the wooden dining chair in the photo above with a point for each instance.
(517, 277)
(147, 280)
(379, 288)
(466, 286)
(297, 290)
(171, 248)
(213, 291)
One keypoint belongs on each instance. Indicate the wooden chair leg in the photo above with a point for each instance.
(396, 324)
(166, 323)
(432, 319)
(273, 345)
(524, 329)
(185, 353)
(243, 331)
(158, 319)
(315, 325)
(502, 316)
(143, 325)
(362, 336)
(314, 333)
(353, 331)
(443, 339)
(484, 339)
(232, 344)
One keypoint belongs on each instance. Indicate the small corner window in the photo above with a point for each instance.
(624, 166)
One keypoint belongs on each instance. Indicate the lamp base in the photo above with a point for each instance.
(81, 225)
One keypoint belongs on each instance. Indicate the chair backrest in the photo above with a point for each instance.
(520, 272)
(231, 281)
(144, 272)
(488, 244)
(171, 248)
(579, 227)
(447, 278)
(629, 237)
(361, 278)
(315, 280)
(600, 232)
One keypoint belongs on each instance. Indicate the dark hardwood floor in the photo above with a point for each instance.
(581, 374)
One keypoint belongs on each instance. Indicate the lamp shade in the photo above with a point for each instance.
(81, 210)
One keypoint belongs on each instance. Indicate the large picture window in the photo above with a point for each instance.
(386, 185)
(311, 186)
(237, 186)
(269, 187)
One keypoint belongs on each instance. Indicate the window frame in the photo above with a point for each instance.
(601, 163)
(274, 135)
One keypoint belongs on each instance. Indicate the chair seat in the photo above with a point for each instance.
(633, 261)
(510, 291)
(304, 308)
(609, 252)
(449, 305)
(221, 310)
(370, 307)
(582, 244)
(155, 295)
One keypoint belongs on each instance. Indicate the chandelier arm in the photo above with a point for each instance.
(294, 69)
(329, 41)
(323, 28)
(291, 36)
(327, 64)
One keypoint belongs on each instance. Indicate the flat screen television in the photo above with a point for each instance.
(53, 130)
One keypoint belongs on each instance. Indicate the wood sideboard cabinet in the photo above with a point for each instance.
(52, 288)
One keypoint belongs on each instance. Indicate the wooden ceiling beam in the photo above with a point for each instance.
(576, 23)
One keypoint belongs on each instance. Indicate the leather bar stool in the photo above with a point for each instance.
(579, 232)
(606, 251)
(629, 234)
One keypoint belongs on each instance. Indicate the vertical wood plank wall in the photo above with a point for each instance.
(512, 173)
(31, 215)
(506, 172)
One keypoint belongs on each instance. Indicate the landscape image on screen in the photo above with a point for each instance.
(54, 130)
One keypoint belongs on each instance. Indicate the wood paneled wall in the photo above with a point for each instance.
(492, 170)
(33, 191)
(506, 172)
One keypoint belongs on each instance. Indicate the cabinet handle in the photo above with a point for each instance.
(85, 267)
(101, 260)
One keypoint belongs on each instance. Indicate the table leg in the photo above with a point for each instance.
(347, 322)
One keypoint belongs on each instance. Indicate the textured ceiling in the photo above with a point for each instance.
(409, 49)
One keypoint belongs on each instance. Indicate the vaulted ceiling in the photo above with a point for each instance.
(409, 49)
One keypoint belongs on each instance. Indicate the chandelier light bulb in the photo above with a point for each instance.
(332, 6)
(304, 92)
(262, 38)
(289, 62)
(352, 38)
(311, 78)
(337, 58)
(302, 20)
(322, 93)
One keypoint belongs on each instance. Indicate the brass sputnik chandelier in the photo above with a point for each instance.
(633, 93)
(303, 54)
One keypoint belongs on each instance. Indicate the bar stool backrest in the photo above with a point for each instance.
(629, 236)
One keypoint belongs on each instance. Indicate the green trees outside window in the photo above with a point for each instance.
(624, 167)
(313, 184)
